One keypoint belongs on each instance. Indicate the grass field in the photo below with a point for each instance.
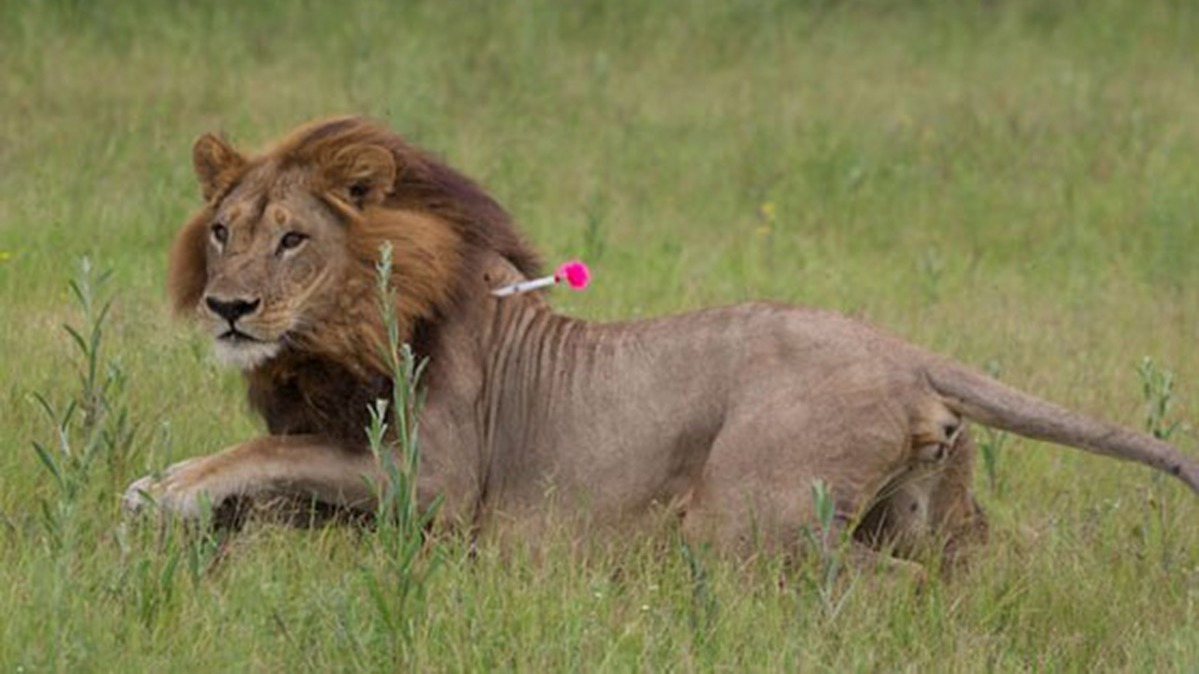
(1014, 183)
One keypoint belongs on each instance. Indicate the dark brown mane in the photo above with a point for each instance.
(430, 264)
(423, 183)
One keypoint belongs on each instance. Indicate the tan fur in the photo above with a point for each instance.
(727, 416)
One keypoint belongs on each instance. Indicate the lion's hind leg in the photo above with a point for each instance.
(758, 487)
(929, 507)
(898, 489)
(957, 519)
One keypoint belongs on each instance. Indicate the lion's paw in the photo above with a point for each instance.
(137, 496)
(176, 492)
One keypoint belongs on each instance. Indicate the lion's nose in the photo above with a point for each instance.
(231, 310)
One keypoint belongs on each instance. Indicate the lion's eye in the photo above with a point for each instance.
(358, 192)
(220, 233)
(291, 240)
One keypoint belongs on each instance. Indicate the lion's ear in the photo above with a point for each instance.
(361, 174)
(216, 164)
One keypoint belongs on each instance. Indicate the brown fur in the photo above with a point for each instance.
(726, 415)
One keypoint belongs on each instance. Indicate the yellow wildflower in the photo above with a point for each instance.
(767, 211)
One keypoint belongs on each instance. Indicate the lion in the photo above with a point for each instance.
(726, 416)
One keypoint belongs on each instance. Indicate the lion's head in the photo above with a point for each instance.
(281, 257)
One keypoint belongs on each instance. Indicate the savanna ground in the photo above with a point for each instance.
(1012, 183)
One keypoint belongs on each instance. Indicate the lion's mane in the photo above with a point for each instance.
(438, 223)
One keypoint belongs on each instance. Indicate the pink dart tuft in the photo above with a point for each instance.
(575, 273)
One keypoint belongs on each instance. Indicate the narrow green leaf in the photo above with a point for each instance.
(51, 465)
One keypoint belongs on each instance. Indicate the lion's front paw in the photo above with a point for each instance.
(179, 492)
(137, 496)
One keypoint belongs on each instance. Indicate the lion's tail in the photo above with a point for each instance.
(989, 402)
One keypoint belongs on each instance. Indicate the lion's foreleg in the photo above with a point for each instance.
(291, 466)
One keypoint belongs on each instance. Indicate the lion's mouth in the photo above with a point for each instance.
(243, 350)
(235, 336)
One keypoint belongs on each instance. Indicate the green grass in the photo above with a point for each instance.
(1010, 182)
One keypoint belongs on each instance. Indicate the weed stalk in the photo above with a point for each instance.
(704, 607)
(992, 443)
(1157, 391)
(394, 441)
(830, 543)
(94, 423)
